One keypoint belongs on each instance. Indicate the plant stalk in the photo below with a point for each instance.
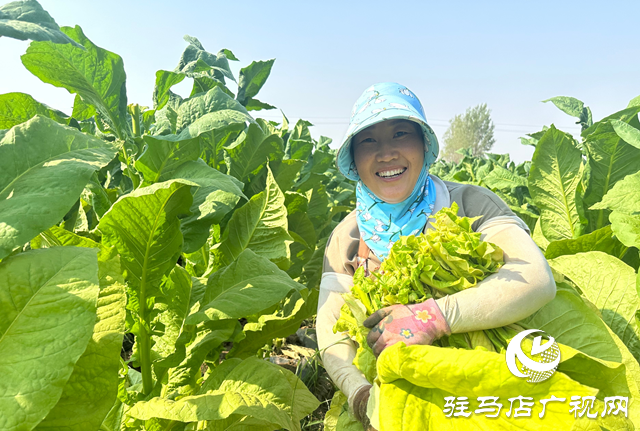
(144, 350)
(135, 120)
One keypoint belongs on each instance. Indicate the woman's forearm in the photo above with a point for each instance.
(337, 350)
(520, 288)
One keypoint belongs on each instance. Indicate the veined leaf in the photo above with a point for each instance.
(299, 145)
(260, 225)
(162, 91)
(626, 228)
(25, 20)
(96, 74)
(254, 388)
(44, 167)
(246, 287)
(252, 78)
(173, 308)
(144, 227)
(627, 133)
(91, 390)
(573, 107)
(611, 285)
(251, 150)
(634, 102)
(501, 178)
(48, 303)
(624, 196)
(16, 108)
(201, 104)
(195, 61)
(611, 159)
(164, 155)
(280, 324)
(598, 240)
(553, 181)
(573, 322)
(256, 105)
(192, 348)
(286, 172)
(409, 376)
(214, 196)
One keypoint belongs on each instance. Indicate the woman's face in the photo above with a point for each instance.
(389, 157)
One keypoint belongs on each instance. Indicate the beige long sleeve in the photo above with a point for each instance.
(337, 350)
(521, 287)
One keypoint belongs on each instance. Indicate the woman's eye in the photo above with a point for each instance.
(398, 134)
(366, 140)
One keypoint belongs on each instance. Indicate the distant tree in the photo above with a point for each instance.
(472, 130)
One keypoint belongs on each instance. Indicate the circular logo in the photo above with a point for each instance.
(539, 364)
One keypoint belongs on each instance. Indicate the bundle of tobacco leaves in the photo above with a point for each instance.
(444, 260)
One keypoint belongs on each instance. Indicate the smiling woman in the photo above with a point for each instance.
(390, 156)
(388, 150)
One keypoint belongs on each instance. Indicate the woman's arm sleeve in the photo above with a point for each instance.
(523, 285)
(337, 350)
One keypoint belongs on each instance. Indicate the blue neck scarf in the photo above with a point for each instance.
(381, 223)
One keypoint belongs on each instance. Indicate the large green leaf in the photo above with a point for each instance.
(299, 145)
(163, 155)
(627, 133)
(16, 108)
(144, 227)
(598, 240)
(173, 307)
(624, 196)
(611, 159)
(553, 181)
(282, 323)
(286, 173)
(196, 61)
(260, 225)
(253, 388)
(91, 390)
(192, 347)
(48, 308)
(214, 196)
(204, 103)
(95, 74)
(573, 322)
(251, 150)
(501, 178)
(26, 19)
(252, 78)
(573, 107)
(44, 167)
(611, 285)
(246, 287)
(162, 91)
(626, 228)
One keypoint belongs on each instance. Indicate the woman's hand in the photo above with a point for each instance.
(412, 324)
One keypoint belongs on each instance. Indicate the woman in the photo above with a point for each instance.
(388, 149)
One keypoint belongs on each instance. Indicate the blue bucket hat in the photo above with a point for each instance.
(381, 102)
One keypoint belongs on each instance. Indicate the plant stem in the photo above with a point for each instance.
(144, 345)
(144, 351)
(135, 120)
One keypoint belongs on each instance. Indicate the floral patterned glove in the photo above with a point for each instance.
(412, 324)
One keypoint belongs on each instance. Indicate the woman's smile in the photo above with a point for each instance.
(389, 157)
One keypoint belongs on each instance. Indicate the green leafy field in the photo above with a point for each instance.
(198, 229)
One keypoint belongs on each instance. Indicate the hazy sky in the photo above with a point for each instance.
(453, 55)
